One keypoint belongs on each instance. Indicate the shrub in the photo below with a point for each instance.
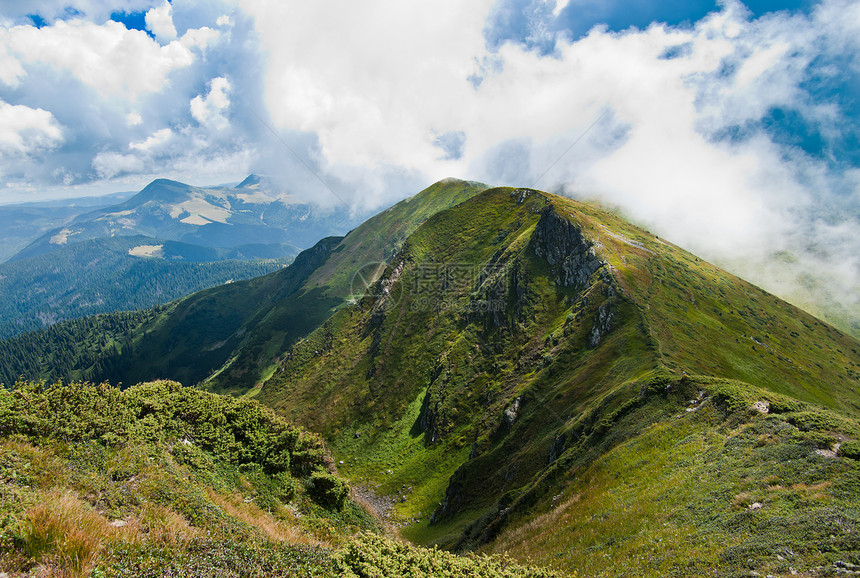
(371, 555)
(850, 450)
(327, 490)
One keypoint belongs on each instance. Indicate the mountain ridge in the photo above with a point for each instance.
(468, 391)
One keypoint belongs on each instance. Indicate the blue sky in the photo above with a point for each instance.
(730, 128)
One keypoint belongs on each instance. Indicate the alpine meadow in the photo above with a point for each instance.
(252, 326)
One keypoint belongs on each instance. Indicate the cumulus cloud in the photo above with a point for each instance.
(154, 143)
(133, 118)
(139, 158)
(111, 164)
(25, 130)
(111, 88)
(109, 58)
(209, 110)
(199, 38)
(159, 21)
(377, 82)
(11, 70)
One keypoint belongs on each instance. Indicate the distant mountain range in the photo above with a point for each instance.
(136, 251)
(253, 212)
(21, 223)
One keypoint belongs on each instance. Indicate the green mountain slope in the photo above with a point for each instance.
(185, 340)
(690, 478)
(232, 336)
(378, 239)
(161, 480)
(514, 326)
(119, 273)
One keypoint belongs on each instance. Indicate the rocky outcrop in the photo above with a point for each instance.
(385, 299)
(432, 422)
(557, 448)
(602, 324)
(570, 254)
(452, 502)
(509, 417)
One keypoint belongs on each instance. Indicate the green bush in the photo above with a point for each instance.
(203, 431)
(327, 490)
(369, 555)
(850, 450)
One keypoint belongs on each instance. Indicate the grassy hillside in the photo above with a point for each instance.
(514, 326)
(704, 320)
(185, 340)
(378, 239)
(162, 480)
(232, 336)
(531, 375)
(691, 477)
(100, 276)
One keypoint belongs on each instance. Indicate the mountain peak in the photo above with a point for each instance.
(250, 181)
(159, 190)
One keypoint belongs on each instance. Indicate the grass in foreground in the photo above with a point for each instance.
(161, 480)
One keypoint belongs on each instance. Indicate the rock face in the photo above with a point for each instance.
(511, 414)
(557, 448)
(602, 325)
(566, 249)
(431, 419)
(452, 502)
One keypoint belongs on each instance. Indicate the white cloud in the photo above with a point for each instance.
(224, 20)
(209, 110)
(11, 70)
(110, 164)
(159, 21)
(25, 130)
(199, 38)
(841, 19)
(134, 118)
(559, 6)
(140, 158)
(154, 143)
(374, 80)
(109, 58)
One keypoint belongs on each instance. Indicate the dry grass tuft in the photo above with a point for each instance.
(248, 512)
(161, 526)
(65, 534)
